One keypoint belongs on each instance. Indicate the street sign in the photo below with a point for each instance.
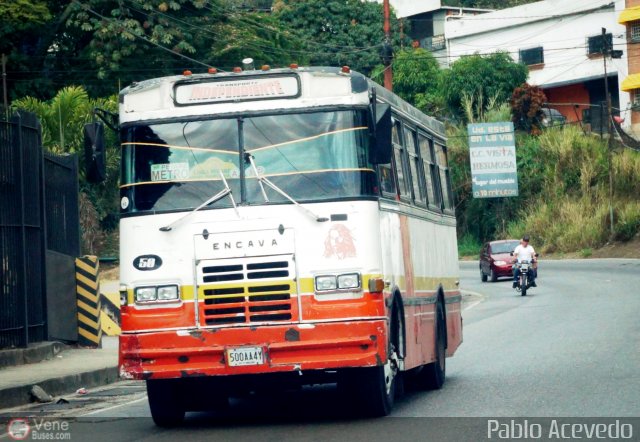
(492, 152)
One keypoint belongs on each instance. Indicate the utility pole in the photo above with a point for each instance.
(387, 49)
(606, 51)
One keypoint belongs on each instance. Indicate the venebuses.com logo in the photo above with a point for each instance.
(18, 429)
(38, 429)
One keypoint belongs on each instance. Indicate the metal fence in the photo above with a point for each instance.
(22, 299)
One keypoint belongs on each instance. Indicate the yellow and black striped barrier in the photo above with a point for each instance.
(110, 313)
(89, 302)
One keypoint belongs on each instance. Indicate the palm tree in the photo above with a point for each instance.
(62, 119)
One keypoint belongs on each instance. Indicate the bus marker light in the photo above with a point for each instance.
(376, 285)
(293, 66)
(265, 67)
(345, 70)
(187, 73)
(212, 71)
(237, 69)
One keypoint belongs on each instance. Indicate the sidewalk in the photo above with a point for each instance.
(64, 373)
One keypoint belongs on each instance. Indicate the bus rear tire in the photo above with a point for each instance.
(166, 402)
(433, 375)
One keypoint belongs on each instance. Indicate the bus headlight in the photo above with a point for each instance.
(349, 281)
(332, 283)
(168, 293)
(163, 293)
(146, 294)
(327, 282)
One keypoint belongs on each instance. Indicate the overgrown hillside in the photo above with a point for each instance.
(564, 193)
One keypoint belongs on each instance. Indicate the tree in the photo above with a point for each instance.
(484, 78)
(526, 108)
(337, 33)
(416, 78)
(63, 119)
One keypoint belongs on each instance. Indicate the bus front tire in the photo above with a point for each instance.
(166, 402)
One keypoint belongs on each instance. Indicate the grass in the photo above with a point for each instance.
(564, 202)
(468, 246)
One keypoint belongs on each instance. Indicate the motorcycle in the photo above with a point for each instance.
(525, 280)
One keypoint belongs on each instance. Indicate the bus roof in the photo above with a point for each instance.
(204, 94)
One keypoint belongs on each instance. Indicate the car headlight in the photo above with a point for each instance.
(327, 282)
(349, 281)
(500, 263)
(146, 294)
(168, 293)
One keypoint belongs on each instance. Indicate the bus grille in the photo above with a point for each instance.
(247, 291)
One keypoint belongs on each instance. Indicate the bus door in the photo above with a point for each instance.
(245, 278)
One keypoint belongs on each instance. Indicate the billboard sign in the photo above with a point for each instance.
(492, 151)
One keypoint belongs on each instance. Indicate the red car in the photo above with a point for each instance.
(495, 259)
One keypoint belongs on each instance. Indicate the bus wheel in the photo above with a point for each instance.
(166, 402)
(433, 374)
(373, 389)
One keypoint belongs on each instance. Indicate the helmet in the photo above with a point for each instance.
(525, 238)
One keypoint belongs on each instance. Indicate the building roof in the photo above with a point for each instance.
(408, 8)
(529, 13)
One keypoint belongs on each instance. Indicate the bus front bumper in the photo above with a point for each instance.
(284, 348)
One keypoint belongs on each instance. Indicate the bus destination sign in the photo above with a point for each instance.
(237, 90)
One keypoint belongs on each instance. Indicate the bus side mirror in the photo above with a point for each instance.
(94, 152)
(380, 146)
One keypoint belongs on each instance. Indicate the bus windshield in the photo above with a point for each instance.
(312, 156)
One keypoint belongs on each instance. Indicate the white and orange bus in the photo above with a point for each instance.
(282, 225)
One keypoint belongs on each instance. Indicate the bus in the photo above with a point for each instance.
(285, 226)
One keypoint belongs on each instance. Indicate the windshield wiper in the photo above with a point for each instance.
(264, 180)
(218, 196)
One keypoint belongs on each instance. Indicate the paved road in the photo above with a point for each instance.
(569, 348)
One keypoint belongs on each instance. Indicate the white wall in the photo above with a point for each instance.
(405, 8)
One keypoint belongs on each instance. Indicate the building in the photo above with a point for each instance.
(427, 21)
(562, 43)
(630, 85)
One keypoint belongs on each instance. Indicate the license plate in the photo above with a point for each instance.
(240, 356)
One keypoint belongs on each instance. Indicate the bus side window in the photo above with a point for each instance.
(429, 170)
(445, 179)
(404, 179)
(417, 178)
(387, 183)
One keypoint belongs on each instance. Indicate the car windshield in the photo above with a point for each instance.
(504, 247)
(310, 156)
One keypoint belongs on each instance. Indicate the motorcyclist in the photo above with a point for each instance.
(524, 252)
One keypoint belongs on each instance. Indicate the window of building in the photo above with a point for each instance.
(635, 99)
(532, 56)
(634, 31)
(595, 44)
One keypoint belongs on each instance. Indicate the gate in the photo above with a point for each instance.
(39, 237)
(63, 244)
(22, 301)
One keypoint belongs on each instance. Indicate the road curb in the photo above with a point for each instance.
(20, 394)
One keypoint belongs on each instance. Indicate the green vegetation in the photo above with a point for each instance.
(63, 119)
(564, 193)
